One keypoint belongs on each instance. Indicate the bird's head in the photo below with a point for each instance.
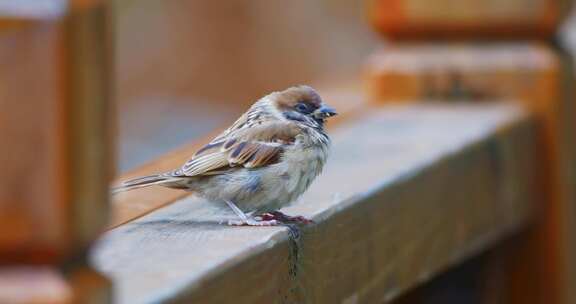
(301, 104)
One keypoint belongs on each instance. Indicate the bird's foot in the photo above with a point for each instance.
(253, 222)
(285, 219)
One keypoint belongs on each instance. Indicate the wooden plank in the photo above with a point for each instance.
(54, 86)
(408, 191)
(87, 77)
(32, 210)
(425, 19)
(551, 246)
(406, 72)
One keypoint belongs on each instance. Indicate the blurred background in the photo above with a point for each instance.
(96, 89)
(187, 67)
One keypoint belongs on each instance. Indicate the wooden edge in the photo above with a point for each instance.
(454, 71)
(408, 192)
(394, 20)
(33, 285)
(127, 206)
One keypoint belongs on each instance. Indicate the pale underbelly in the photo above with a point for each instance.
(261, 190)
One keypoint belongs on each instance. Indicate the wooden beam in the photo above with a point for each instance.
(56, 173)
(408, 192)
(32, 206)
(408, 72)
(405, 19)
(54, 87)
(86, 82)
(551, 245)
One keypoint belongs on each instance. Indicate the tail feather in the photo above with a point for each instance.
(141, 182)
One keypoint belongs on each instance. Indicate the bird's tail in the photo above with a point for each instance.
(141, 182)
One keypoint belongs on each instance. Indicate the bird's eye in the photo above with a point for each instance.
(303, 108)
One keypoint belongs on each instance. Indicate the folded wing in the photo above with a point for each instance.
(253, 147)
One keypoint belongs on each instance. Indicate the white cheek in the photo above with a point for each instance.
(273, 110)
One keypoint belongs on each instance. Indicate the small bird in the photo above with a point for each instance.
(263, 162)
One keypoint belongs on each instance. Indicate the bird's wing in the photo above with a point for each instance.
(256, 115)
(259, 145)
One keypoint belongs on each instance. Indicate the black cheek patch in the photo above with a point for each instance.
(294, 116)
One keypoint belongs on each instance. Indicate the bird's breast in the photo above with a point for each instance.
(271, 187)
(302, 165)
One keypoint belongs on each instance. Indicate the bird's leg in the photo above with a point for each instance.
(283, 218)
(246, 220)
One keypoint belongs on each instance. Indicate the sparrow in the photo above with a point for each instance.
(261, 163)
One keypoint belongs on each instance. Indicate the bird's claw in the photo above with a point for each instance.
(251, 222)
(285, 219)
(273, 218)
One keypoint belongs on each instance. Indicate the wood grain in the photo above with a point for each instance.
(408, 191)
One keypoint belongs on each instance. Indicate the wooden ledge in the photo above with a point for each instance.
(408, 192)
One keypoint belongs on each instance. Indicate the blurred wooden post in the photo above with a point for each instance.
(550, 247)
(54, 126)
(540, 266)
(513, 65)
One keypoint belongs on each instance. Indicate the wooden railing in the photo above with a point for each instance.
(56, 163)
(410, 192)
(424, 188)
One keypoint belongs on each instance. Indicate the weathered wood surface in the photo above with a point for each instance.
(408, 192)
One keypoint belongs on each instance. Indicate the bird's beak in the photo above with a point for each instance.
(324, 112)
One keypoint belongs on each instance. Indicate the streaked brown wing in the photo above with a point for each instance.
(248, 148)
(251, 155)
